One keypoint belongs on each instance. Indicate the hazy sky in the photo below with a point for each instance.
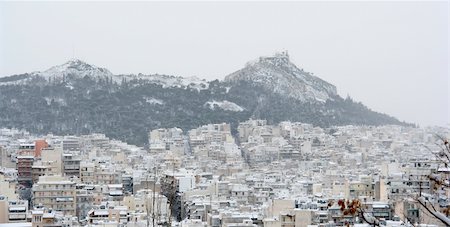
(392, 56)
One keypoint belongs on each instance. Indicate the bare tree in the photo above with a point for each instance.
(440, 179)
(356, 209)
(436, 204)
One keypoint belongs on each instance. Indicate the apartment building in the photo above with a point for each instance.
(55, 192)
(71, 165)
(13, 211)
(24, 170)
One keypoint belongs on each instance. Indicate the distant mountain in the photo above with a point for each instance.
(77, 69)
(279, 75)
(74, 68)
(79, 98)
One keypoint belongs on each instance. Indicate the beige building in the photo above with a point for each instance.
(143, 202)
(87, 170)
(57, 193)
(52, 157)
(362, 190)
(381, 191)
(3, 209)
(43, 217)
(278, 205)
(104, 176)
(7, 189)
(341, 189)
(291, 218)
(38, 170)
(71, 165)
(13, 211)
(5, 159)
(118, 215)
(91, 173)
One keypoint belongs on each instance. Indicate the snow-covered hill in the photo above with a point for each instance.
(76, 69)
(281, 76)
(77, 97)
(276, 73)
(73, 69)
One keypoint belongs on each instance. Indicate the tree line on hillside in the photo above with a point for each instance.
(122, 110)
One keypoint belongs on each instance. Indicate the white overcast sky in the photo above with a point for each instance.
(392, 56)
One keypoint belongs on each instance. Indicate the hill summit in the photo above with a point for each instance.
(279, 75)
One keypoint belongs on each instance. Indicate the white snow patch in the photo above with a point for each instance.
(17, 82)
(154, 101)
(224, 105)
(168, 81)
(69, 86)
(60, 101)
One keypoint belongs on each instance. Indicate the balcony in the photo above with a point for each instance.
(17, 217)
(35, 189)
(64, 199)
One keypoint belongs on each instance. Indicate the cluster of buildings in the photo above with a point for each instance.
(288, 174)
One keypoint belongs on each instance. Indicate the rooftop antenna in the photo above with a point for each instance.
(285, 53)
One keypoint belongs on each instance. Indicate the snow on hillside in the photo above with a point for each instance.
(76, 68)
(154, 101)
(281, 76)
(276, 73)
(225, 105)
(168, 81)
(20, 81)
(73, 68)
